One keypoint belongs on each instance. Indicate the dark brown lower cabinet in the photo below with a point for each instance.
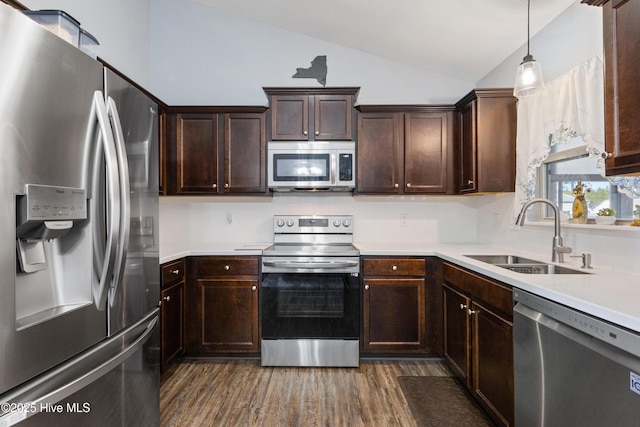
(222, 306)
(478, 339)
(394, 306)
(171, 312)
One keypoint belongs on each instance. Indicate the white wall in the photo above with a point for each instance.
(121, 27)
(204, 56)
(569, 40)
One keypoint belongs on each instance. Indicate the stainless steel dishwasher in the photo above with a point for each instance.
(572, 369)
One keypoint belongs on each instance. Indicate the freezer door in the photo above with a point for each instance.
(135, 123)
(47, 129)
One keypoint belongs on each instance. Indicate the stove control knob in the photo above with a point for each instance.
(280, 222)
(336, 223)
(346, 222)
(290, 223)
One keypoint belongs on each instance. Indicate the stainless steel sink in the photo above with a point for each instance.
(524, 265)
(504, 259)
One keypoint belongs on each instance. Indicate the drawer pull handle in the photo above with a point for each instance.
(394, 268)
(227, 268)
(175, 271)
(254, 287)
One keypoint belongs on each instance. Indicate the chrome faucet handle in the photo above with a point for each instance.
(586, 260)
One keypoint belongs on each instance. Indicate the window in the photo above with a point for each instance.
(569, 163)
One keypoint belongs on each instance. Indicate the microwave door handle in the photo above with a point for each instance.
(125, 209)
(104, 153)
(334, 168)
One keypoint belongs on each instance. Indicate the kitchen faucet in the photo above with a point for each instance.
(558, 250)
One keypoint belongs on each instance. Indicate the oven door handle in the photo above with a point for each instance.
(311, 264)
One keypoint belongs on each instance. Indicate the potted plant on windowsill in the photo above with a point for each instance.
(606, 216)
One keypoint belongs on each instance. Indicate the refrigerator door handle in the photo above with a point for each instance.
(109, 248)
(34, 404)
(125, 209)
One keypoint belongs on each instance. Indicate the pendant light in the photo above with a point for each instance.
(529, 72)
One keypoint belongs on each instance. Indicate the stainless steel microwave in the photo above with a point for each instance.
(308, 166)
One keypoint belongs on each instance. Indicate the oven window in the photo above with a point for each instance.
(301, 167)
(310, 306)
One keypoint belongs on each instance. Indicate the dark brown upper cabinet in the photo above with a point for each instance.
(311, 114)
(487, 141)
(406, 150)
(216, 150)
(622, 88)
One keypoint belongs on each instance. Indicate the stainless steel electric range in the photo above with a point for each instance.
(310, 293)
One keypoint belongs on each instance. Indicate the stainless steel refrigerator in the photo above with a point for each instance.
(79, 276)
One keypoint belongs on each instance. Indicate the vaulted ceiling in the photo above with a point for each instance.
(464, 39)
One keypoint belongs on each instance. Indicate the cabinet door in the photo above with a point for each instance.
(425, 152)
(198, 144)
(492, 340)
(468, 148)
(290, 117)
(394, 315)
(171, 323)
(244, 153)
(333, 117)
(380, 151)
(622, 89)
(227, 316)
(457, 333)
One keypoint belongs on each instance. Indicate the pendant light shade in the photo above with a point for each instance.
(529, 72)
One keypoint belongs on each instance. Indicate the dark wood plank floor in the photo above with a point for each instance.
(240, 392)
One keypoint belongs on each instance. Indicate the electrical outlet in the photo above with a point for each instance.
(403, 220)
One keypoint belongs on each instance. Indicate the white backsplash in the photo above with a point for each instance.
(377, 218)
(392, 219)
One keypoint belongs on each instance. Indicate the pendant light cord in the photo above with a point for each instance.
(528, 24)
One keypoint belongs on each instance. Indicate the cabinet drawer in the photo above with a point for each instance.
(172, 272)
(227, 266)
(493, 293)
(393, 267)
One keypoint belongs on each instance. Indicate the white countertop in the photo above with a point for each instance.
(608, 294)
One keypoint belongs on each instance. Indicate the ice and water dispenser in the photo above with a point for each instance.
(53, 250)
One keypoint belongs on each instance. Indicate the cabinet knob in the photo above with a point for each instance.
(214, 186)
(176, 271)
(366, 287)
(395, 186)
(470, 182)
(408, 184)
(254, 287)
(305, 132)
(226, 185)
(394, 268)
(471, 311)
(463, 306)
(606, 155)
(167, 298)
(317, 132)
(227, 268)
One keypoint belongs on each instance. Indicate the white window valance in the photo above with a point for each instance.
(571, 105)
